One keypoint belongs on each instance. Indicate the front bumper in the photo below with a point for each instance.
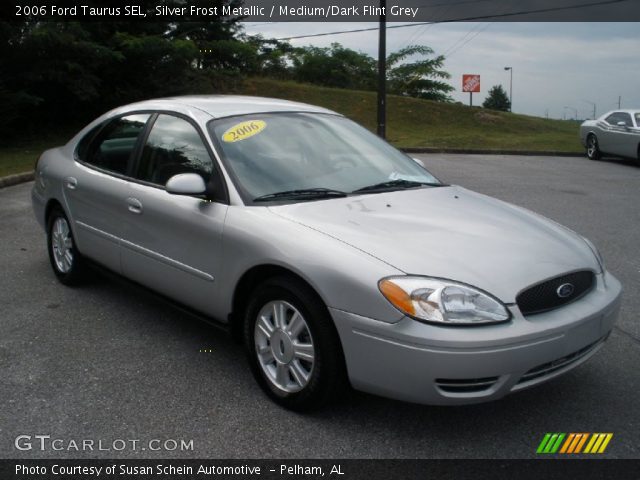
(436, 365)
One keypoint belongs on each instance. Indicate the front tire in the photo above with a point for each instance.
(593, 149)
(66, 261)
(292, 345)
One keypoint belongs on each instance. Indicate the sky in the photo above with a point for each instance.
(559, 69)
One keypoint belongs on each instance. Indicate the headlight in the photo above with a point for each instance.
(596, 253)
(442, 301)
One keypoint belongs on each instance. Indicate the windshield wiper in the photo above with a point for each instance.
(394, 184)
(304, 194)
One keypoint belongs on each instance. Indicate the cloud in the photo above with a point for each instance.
(554, 64)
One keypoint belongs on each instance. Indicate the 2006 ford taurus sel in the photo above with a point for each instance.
(336, 257)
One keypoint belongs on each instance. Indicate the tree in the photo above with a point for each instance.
(422, 78)
(271, 57)
(334, 66)
(58, 73)
(343, 67)
(497, 99)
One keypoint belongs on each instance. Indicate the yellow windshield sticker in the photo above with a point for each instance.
(244, 130)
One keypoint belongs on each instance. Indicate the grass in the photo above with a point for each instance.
(20, 159)
(411, 122)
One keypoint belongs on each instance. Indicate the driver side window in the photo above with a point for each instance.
(173, 147)
(614, 118)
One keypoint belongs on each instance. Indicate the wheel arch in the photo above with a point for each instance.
(51, 204)
(249, 281)
(599, 152)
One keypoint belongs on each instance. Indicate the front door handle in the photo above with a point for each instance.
(71, 183)
(134, 205)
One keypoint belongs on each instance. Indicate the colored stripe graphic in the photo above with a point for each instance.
(574, 442)
(581, 442)
(598, 443)
(543, 443)
(550, 443)
(567, 443)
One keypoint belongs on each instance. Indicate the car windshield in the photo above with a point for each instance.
(310, 156)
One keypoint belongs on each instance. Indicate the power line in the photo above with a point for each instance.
(418, 33)
(445, 4)
(465, 19)
(370, 29)
(462, 39)
(259, 23)
(450, 52)
(450, 4)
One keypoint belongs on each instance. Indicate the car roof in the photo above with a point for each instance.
(624, 110)
(218, 106)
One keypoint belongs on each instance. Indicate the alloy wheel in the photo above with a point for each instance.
(62, 245)
(284, 346)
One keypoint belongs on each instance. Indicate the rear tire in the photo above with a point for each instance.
(292, 345)
(593, 149)
(66, 261)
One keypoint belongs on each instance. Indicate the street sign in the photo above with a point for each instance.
(470, 83)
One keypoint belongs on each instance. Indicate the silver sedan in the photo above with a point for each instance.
(334, 257)
(614, 133)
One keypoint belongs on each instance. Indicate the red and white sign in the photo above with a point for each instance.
(470, 83)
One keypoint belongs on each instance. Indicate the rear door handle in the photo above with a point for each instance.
(71, 183)
(134, 205)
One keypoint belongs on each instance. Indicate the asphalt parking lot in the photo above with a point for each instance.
(107, 362)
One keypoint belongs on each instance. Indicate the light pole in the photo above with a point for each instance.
(510, 88)
(575, 112)
(594, 107)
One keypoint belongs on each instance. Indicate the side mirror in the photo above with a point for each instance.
(418, 161)
(186, 184)
(621, 124)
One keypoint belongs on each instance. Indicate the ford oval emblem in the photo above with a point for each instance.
(565, 290)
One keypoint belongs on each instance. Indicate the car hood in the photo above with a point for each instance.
(450, 232)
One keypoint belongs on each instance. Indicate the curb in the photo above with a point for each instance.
(531, 153)
(11, 180)
(29, 176)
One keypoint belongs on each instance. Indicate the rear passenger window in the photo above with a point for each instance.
(82, 150)
(173, 147)
(114, 146)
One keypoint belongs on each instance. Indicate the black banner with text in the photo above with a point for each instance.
(324, 10)
(176, 469)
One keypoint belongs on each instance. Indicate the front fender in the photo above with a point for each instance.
(344, 277)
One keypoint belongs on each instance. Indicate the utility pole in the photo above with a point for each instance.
(619, 101)
(382, 71)
(575, 112)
